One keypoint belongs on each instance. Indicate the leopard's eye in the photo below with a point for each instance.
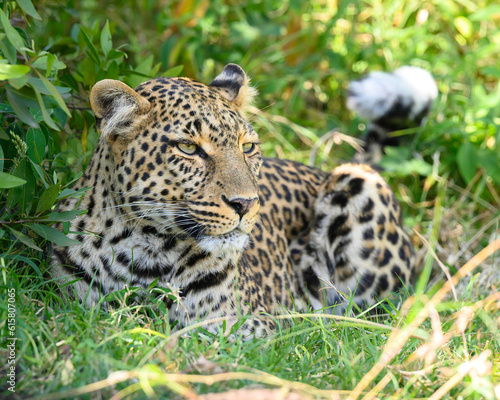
(248, 147)
(188, 148)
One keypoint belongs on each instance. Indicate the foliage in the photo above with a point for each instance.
(45, 146)
(300, 56)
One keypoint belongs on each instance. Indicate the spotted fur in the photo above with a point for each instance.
(233, 231)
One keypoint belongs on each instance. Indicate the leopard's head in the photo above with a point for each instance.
(184, 159)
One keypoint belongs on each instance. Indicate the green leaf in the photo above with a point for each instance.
(66, 193)
(485, 14)
(50, 61)
(25, 260)
(14, 37)
(92, 50)
(1, 159)
(5, 108)
(113, 70)
(115, 54)
(28, 8)
(106, 42)
(402, 168)
(18, 83)
(490, 161)
(22, 196)
(173, 72)
(40, 173)
(145, 66)
(24, 239)
(88, 71)
(46, 117)
(153, 284)
(8, 181)
(21, 110)
(74, 194)
(55, 94)
(8, 71)
(399, 162)
(63, 216)
(464, 26)
(35, 139)
(52, 235)
(8, 50)
(467, 161)
(48, 198)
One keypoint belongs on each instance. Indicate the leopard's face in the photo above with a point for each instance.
(187, 163)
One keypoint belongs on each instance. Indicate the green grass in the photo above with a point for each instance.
(300, 56)
(68, 351)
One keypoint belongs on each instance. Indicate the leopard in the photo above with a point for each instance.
(180, 196)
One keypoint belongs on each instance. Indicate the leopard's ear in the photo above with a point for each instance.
(116, 106)
(233, 84)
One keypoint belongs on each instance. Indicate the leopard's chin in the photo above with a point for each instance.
(233, 241)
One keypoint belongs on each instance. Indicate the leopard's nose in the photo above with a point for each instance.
(240, 205)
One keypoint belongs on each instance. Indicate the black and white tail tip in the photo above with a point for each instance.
(391, 102)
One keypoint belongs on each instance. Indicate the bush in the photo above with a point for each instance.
(47, 131)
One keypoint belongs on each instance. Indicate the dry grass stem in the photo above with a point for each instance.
(478, 364)
(334, 137)
(398, 338)
(440, 263)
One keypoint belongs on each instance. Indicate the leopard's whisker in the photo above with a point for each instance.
(153, 213)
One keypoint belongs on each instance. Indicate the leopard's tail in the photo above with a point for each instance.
(390, 102)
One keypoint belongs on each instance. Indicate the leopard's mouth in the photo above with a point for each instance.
(194, 228)
(235, 240)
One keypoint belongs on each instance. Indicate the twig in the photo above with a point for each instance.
(177, 382)
(21, 221)
(493, 192)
